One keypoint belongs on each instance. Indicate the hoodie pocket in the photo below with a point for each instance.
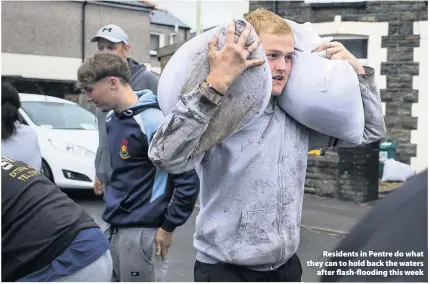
(114, 200)
(258, 241)
(290, 227)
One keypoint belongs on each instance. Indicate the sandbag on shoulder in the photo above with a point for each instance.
(323, 94)
(246, 99)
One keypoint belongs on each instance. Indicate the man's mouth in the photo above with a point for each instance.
(278, 78)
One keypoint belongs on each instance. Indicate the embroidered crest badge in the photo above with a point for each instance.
(123, 153)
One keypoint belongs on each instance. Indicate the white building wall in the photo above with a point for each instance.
(40, 66)
(375, 55)
(420, 109)
(44, 67)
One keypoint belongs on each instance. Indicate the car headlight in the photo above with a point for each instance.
(70, 148)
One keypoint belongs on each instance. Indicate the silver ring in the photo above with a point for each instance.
(128, 112)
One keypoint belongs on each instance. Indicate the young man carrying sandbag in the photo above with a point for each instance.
(253, 181)
(144, 204)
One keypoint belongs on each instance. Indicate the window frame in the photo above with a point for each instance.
(337, 37)
(153, 52)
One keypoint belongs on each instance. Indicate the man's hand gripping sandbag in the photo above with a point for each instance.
(245, 97)
(323, 94)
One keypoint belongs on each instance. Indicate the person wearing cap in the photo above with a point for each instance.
(143, 204)
(112, 38)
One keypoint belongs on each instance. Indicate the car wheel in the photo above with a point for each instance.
(47, 171)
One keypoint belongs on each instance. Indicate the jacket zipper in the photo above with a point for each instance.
(274, 108)
(280, 163)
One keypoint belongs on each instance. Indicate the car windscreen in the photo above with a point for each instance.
(59, 115)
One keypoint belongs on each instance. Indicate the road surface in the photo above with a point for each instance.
(182, 253)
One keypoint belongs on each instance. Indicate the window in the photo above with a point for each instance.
(59, 115)
(317, 4)
(22, 119)
(172, 38)
(154, 42)
(357, 45)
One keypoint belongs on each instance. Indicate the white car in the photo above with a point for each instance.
(68, 138)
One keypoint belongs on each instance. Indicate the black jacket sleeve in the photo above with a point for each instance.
(187, 186)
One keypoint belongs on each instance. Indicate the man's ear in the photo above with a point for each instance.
(127, 48)
(113, 82)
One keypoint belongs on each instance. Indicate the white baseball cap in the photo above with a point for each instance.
(112, 33)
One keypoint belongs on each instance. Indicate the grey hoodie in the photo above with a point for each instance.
(141, 79)
(252, 184)
(23, 146)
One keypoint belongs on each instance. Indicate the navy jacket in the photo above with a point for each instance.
(141, 79)
(140, 194)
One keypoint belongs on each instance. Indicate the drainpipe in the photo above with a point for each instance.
(198, 22)
(83, 31)
(275, 7)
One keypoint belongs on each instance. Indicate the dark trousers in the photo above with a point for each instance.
(291, 271)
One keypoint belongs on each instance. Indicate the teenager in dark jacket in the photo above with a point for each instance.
(45, 235)
(144, 204)
(112, 38)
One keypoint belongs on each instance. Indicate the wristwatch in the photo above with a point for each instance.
(212, 88)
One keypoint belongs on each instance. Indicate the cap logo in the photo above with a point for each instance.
(107, 29)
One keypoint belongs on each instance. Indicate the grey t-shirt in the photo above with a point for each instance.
(141, 79)
(23, 146)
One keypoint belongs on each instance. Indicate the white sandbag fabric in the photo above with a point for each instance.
(395, 171)
(246, 99)
(322, 94)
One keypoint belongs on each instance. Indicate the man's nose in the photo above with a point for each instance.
(88, 96)
(281, 64)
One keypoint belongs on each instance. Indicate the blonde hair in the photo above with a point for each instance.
(264, 20)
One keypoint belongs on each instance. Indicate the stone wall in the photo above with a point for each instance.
(358, 173)
(322, 174)
(345, 173)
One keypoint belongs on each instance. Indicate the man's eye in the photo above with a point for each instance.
(272, 56)
(288, 57)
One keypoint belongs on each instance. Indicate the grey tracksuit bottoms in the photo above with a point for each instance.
(133, 254)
